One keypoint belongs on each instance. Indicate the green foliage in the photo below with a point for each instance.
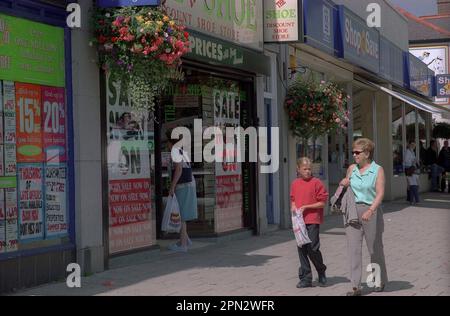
(141, 47)
(315, 109)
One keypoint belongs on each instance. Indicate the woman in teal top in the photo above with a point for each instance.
(366, 179)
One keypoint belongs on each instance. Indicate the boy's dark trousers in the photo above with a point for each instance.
(413, 193)
(312, 252)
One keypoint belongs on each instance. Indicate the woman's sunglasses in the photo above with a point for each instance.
(357, 152)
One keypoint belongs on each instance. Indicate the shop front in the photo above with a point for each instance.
(37, 233)
(218, 89)
(390, 93)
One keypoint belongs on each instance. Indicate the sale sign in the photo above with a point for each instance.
(2, 236)
(11, 203)
(54, 119)
(30, 201)
(10, 160)
(229, 212)
(9, 112)
(129, 192)
(2, 205)
(12, 240)
(55, 200)
(28, 123)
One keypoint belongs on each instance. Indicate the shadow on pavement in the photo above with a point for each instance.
(427, 200)
(253, 251)
(336, 280)
(394, 286)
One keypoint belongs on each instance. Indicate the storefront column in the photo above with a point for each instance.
(384, 137)
(87, 155)
(262, 177)
(287, 143)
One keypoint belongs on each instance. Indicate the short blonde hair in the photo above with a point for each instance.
(366, 144)
(304, 161)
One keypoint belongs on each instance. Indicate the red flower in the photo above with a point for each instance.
(186, 35)
(102, 39)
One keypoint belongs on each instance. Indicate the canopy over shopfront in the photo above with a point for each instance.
(415, 101)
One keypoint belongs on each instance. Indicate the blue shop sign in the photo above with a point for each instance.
(320, 24)
(126, 3)
(420, 76)
(360, 44)
(391, 61)
(443, 85)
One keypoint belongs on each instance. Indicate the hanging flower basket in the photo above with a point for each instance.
(142, 47)
(315, 109)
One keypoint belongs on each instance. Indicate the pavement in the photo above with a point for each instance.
(416, 242)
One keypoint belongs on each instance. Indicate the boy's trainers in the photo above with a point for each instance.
(303, 285)
(322, 279)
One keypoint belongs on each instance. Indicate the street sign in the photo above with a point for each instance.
(126, 3)
(443, 85)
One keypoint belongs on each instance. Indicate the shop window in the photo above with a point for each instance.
(34, 154)
(130, 163)
(220, 186)
(410, 123)
(421, 118)
(397, 136)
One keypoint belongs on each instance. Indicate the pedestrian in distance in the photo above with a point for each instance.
(367, 180)
(308, 197)
(413, 185)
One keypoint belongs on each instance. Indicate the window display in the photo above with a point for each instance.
(33, 173)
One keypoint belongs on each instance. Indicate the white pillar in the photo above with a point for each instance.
(87, 143)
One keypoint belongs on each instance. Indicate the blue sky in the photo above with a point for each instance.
(417, 7)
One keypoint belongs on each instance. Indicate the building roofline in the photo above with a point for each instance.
(393, 7)
(430, 25)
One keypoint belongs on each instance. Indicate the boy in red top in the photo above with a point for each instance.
(308, 196)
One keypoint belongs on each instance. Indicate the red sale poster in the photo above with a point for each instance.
(229, 214)
(54, 124)
(28, 123)
(129, 209)
(229, 201)
(31, 201)
(131, 225)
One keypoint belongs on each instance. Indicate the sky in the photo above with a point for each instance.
(417, 7)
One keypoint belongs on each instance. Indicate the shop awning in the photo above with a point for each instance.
(417, 102)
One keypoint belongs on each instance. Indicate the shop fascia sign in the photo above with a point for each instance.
(420, 77)
(215, 51)
(281, 21)
(31, 52)
(360, 43)
(126, 3)
(237, 21)
(443, 85)
(320, 25)
(391, 61)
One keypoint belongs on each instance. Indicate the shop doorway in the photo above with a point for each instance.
(224, 190)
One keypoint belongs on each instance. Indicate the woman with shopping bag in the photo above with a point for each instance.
(183, 188)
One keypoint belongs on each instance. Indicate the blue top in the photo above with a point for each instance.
(363, 185)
